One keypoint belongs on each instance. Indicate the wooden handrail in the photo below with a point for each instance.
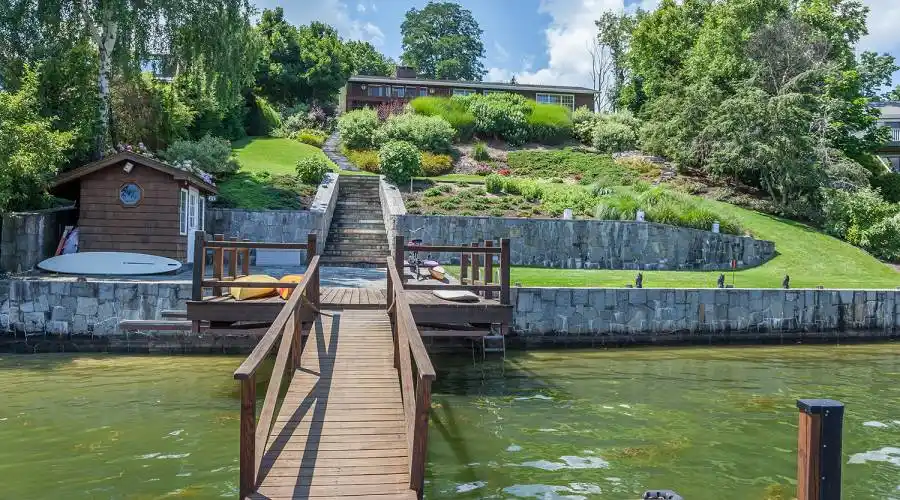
(422, 286)
(262, 349)
(452, 249)
(416, 374)
(288, 328)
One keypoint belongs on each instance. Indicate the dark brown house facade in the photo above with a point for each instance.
(372, 91)
(131, 203)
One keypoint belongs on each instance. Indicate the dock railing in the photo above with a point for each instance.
(476, 267)
(237, 254)
(416, 375)
(286, 331)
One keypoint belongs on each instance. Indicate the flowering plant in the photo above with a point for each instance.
(505, 172)
(484, 169)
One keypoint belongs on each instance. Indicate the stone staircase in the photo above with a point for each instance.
(357, 236)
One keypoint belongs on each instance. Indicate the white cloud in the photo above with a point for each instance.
(884, 26)
(374, 8)
(498, 75)
(360, 7)
(568, 36)
(333, 12)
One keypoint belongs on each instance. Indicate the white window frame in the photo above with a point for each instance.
(564, 100)
(423, 91)
(202, 214)
(398, 91)
(182, 213)
(464, 92)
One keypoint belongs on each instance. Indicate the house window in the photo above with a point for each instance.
(463, 91)
(202, 221)
(377, 91)
(130, 194)
(183, 213)
(566, 100)
(423, 91)
(399, 91)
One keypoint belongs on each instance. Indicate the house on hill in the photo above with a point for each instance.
(128, 202)
(890, 117)
(362, 90)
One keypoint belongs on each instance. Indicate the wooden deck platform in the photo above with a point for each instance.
(341, 431)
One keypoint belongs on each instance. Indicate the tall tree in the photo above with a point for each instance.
(299, 64)
(613, 35)
(125, 33)
(443, 41)
(367, 60)
(875, 72)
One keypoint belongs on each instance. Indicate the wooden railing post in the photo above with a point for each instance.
(504, 270)
(199, 265)
(232, 259)
(399, 255)
(463, 268)
(218, 264)
(819, 449)
(420, 436)
(245, 260)
(248, 437)
(475, 261)
(311, 248)
(488, 269)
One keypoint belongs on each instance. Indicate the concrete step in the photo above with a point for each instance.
(349, 232)
(373, 246)
(360, 255)
(351, 224)
(355, 218)
(335, 261)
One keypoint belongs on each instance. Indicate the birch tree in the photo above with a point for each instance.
(208, 35)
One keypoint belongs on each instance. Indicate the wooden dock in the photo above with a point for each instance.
(341, 431)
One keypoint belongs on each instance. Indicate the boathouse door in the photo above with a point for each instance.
(192, 217)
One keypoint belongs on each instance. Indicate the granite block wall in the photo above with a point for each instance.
(279, 226)
(647, 315)
(576, 244)
(30, 237)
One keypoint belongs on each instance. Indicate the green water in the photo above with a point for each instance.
(552, 424)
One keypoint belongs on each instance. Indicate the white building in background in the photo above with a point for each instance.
(890, 117)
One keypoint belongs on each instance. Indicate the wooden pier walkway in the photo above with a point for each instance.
(341, 431)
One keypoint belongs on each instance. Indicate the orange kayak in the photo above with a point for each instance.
(290, 278)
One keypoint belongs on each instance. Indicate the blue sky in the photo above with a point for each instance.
(539, 41)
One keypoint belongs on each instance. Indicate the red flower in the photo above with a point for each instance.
(504, 172)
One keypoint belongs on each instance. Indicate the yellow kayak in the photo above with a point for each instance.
(253, 293)
(290, 278)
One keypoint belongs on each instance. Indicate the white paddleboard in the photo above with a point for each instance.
(109, 263)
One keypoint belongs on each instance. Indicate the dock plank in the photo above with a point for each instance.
(341, 431)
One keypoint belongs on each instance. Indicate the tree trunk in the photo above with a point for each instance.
(105, 38)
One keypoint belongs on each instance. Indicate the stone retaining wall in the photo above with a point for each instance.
(279, 226)
(575, 244)
(30, 237)
(623, 315)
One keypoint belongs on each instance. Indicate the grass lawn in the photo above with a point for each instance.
(809, 257)
(271, 154)
(267, 177)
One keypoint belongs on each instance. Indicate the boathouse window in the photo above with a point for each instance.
(182, 213)
(463, 92)
(130, 194)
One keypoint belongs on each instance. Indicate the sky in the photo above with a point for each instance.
(538, 41)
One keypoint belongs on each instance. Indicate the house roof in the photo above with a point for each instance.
(470, 84)
(177, 173)
(890, 110)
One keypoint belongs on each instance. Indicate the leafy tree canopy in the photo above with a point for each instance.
(367, 60)
(443, 41)
(299, 64)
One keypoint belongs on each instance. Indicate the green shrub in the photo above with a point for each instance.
(501, 115)
(848, 215)
(399, 161)
(363, 159)
(428, 133)
(481, 152)
(312, 169)
(494, 183)
(432, 192)
(210, 154)
(311, 136)
(358, 127)
(612, 137)
(889, 185)
(883, 238)
(455, 111)
(587, 167)
(434, 165)
(662, 206)
(549, 123)
(262, 118)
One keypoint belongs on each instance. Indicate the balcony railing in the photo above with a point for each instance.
(895, 134)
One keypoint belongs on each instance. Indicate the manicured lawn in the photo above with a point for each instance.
(271, 154)
(809, 257)
(267, 179)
